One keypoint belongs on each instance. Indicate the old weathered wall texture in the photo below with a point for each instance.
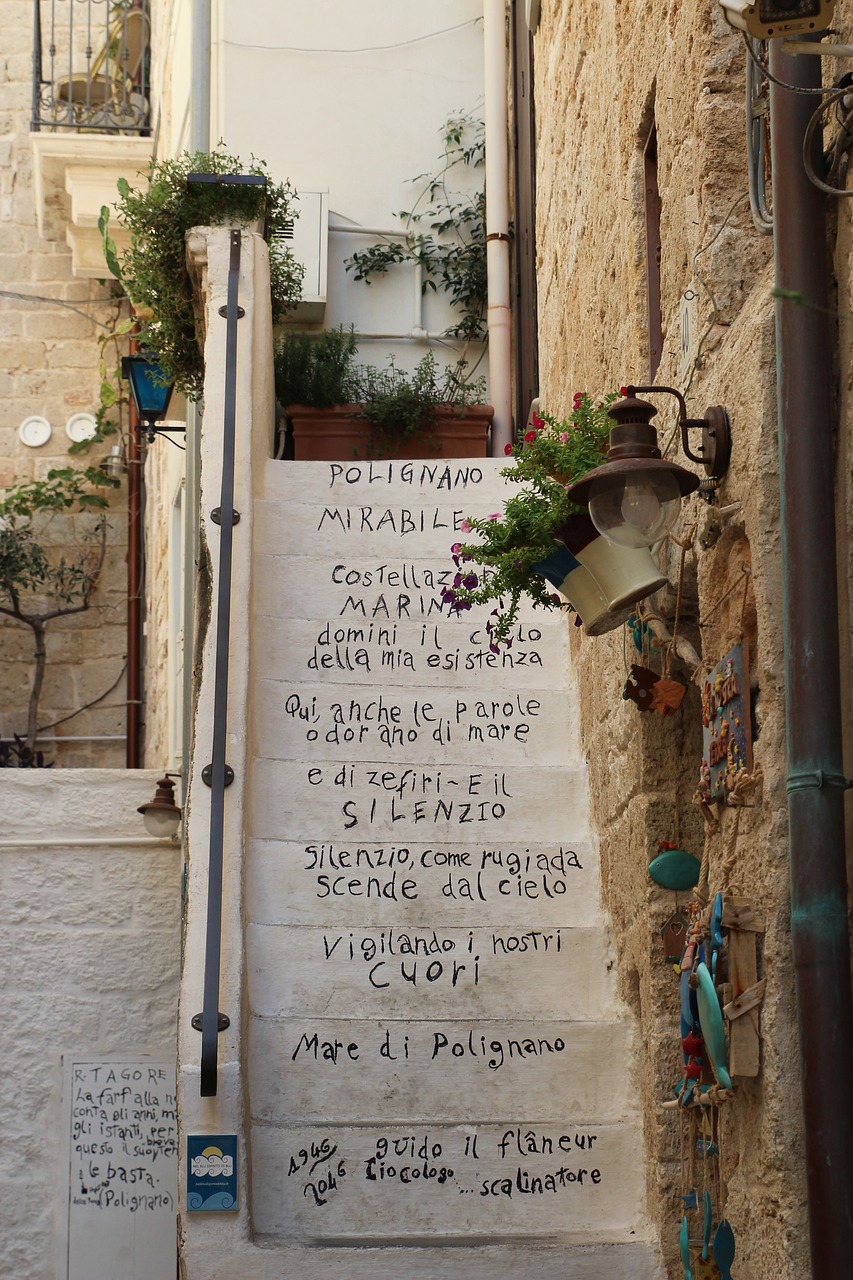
(91, 952)
(605, 73)
(49, 323)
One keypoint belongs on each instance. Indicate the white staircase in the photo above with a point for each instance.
(438, 1069)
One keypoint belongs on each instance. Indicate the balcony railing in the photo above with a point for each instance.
(91, 66)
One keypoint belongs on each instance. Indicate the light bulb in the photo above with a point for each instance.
(640, 504)
(636, 508)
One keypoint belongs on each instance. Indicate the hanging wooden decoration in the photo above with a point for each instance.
(639, 685)
(674, 868)
(667, 696)
(674, 934)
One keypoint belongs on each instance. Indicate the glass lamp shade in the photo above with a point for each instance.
(635, 508)
(160, 822)
(151, 393)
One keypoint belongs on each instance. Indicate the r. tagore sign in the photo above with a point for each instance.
(433, 1046)
(122, 1134)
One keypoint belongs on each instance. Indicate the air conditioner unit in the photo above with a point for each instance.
(766, 19)
(308, 239)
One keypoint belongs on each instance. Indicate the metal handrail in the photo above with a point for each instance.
(92, 75)
(211, 1019)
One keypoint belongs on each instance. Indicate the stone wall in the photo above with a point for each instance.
(605, 72)
(49, 323)
(91, 952)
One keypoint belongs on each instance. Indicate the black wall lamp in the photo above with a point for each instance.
(635, 496)
(161, 816)
(150, 390)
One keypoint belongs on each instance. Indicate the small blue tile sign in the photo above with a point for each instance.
(211, 1172)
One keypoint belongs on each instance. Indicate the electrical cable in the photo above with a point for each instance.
(839, 150)
(744, 195)
(86, 707)
(783, 84)
(58, 302)
(756, 146)
(377, 48)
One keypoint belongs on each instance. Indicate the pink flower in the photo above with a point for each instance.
(496, 515)
(508, 449)
(529, 435)
(564, 437)
(465, 527)
(456, 548)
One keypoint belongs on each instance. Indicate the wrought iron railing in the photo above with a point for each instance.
(91, 66)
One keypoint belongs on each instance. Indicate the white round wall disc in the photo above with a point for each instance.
(80, 426)
(35, 431)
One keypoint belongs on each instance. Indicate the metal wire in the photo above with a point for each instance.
(839, 148)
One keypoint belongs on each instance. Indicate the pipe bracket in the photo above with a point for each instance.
(819, 779)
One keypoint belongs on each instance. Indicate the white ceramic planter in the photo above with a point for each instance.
(624, 574)
(577, 585)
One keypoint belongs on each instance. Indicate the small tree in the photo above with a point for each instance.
(40, 581)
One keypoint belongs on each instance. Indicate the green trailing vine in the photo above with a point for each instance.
(444, 232)
(40, 581)
(113, 394)
(499, 566)
(153, 270)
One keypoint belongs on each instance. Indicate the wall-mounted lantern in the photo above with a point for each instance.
(635, 496)
(150, 390)
(161, 816)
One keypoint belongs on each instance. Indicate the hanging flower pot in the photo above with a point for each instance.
(577, 585)
(624, 575)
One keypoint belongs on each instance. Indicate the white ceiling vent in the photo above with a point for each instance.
(308, 237)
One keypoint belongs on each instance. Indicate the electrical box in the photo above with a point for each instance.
(308, 238)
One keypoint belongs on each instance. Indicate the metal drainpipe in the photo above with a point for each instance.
(819, 929)
(497, 222)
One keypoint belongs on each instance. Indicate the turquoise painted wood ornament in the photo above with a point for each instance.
(675, 869)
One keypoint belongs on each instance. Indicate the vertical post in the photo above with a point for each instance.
(213, 949)
(35, 122)
(819, 927)
(497, 223)
(133, 758)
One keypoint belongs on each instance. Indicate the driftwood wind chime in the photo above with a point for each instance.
(712, 941)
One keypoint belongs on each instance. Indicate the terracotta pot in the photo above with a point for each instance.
(339, 434)
(624, 574)
(577, 585)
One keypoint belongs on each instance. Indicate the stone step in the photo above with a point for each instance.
(410, 483)
(369, 801)
(514, 1260)
(529, 885)
(311, 1070)
(480, 972)
(447, 1182)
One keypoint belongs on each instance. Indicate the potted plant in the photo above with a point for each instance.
(542, 539)
(153, 270)
(337, 409)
